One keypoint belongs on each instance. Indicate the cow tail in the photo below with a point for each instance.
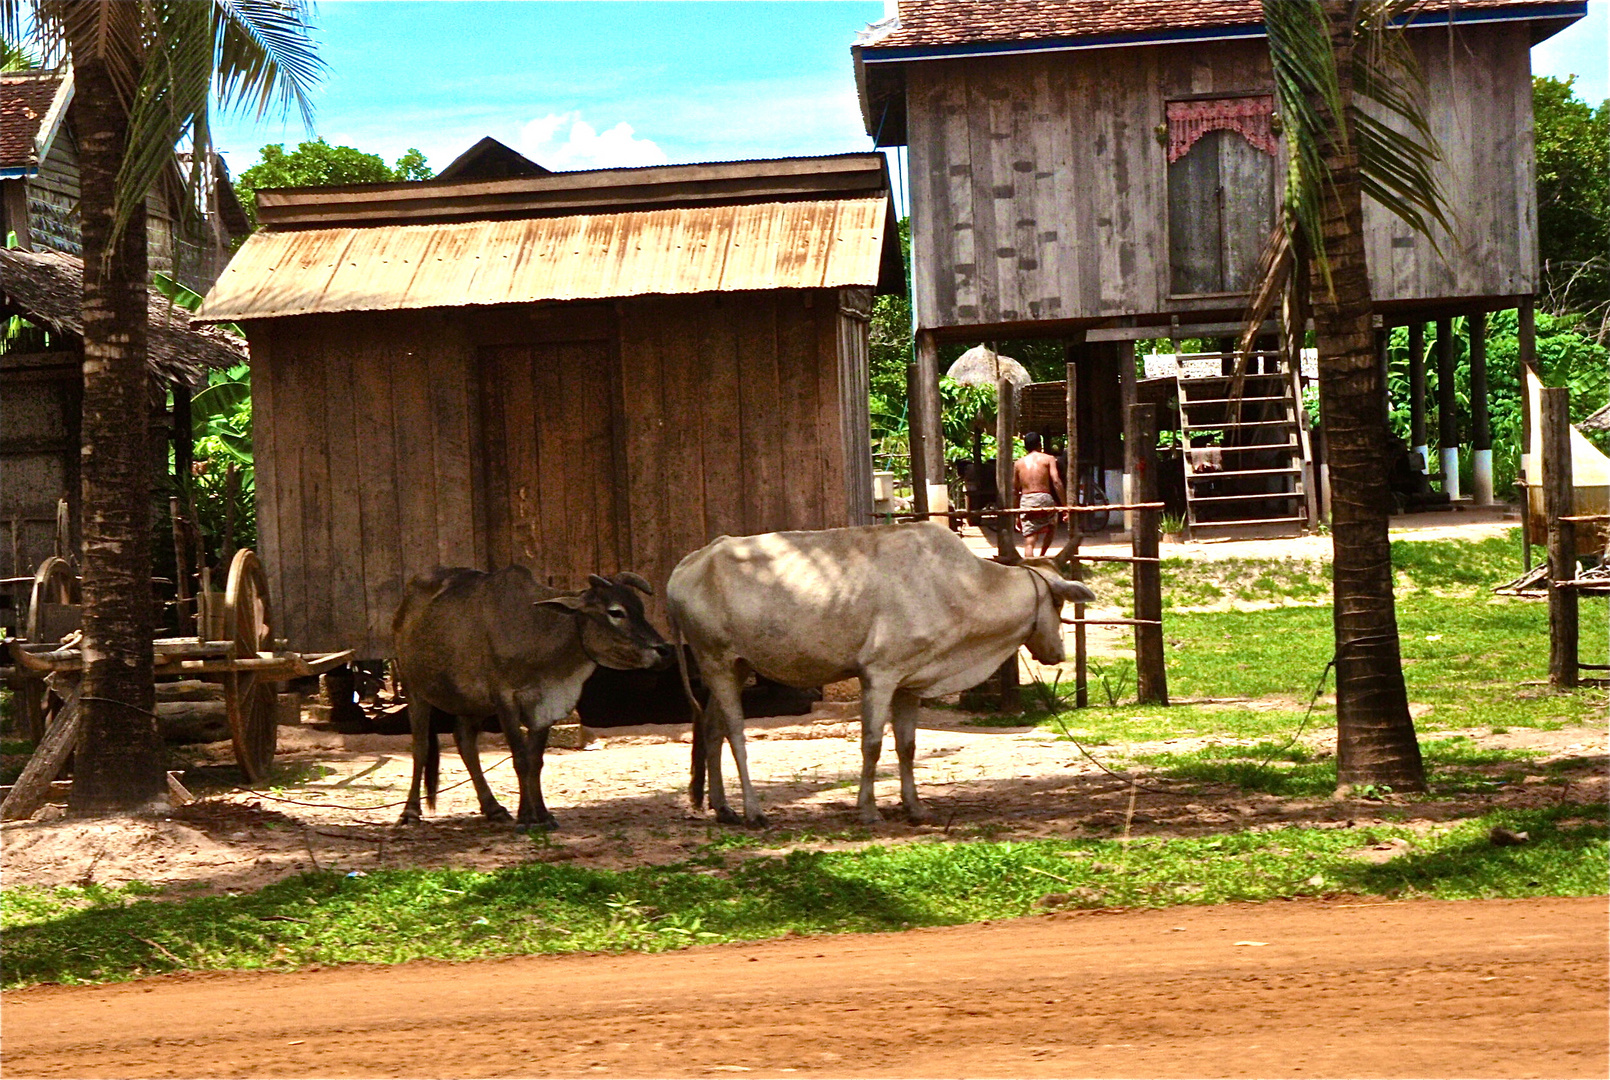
(696, 780)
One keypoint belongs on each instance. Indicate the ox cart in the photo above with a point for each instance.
(234, 647)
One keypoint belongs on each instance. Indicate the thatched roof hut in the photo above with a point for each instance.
(46, 288)
(41, 388)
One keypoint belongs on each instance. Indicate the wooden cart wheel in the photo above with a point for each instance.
(54, 583)
(249, 624)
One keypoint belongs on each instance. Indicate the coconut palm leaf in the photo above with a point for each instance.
(1386, 127)
(169, 59)
(250, 52)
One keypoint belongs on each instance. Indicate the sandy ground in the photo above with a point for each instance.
(622, 801)
(1305, 989)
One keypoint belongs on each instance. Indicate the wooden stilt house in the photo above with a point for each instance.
(579, 372)
(1107, 172)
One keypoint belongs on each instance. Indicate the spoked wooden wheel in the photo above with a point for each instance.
(55, 583)
(249, 624)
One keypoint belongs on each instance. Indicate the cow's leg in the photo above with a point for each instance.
(725, 715)
(904, 709)
(533, 811)
(519, 753)
(419, 725)
(467, 734)
(875, 708)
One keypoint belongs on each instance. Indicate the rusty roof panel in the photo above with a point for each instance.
(785, 245)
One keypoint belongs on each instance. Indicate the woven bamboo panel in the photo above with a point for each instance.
(1043, 407)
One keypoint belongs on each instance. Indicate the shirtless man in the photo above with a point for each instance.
(1038, 483)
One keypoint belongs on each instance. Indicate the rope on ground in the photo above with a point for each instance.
(357, 809)
(1313, 700)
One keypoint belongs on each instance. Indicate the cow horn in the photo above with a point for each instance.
(599, 582)
(636, 581)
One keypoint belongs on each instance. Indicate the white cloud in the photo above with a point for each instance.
(564, 141)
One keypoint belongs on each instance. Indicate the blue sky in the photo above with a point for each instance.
(584, 85)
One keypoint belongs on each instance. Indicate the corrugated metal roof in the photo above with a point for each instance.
(788, 245)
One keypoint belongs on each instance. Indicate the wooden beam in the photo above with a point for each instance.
(916, 438)
(1417, 394)
(1005, 431)
(1081, 680)
(1146, 333)
(1151, 677)
(1526, 360)
(1557, 504)
(1447, 410)
(933, 443)
(1481, 429)
(33, 786)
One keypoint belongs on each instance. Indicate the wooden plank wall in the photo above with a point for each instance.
(364, 429)
(1040, 185)
(1480, 108)
(389, 444)
(734, 420)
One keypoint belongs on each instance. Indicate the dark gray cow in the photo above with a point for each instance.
(472, 645)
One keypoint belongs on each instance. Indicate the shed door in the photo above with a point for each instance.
(553, 478)
(1221, 204)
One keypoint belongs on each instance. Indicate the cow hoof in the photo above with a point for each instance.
(921, 816)
(498, 814)
(547, 824)
(759, 821)
(871, 817)
(725, 816)
(409, 817)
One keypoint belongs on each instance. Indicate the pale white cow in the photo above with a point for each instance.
(907, 609)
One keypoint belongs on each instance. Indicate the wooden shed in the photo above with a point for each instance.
(578, 372)
(1107, 172)
(41, 387)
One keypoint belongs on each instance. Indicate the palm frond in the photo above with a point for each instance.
(1397, 149)
(1380, 117)
(1308, 90)
(266, 54)
(241, 48)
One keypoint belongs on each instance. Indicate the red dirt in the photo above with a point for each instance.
(1475, 988)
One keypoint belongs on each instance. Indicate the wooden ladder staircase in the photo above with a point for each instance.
(1246, 447)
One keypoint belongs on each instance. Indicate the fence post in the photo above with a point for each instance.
(1557, 502)
(916, 442)
(933, 427)
(1005, 431)
(1151, 680)
(1070, 488)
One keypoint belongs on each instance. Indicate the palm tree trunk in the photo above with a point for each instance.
(119, 762)
(1376, 743)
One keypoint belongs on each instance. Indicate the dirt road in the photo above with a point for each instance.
(1479, 988)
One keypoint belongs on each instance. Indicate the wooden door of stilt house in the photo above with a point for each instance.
(554, 478)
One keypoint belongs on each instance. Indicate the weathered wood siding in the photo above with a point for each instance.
(1040, 186)
(571, 439)
(1480, 108)
(363, 427)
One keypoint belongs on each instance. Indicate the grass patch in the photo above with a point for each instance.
(77, 935)
(1455, 765)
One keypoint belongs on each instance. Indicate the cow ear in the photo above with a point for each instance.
(1072, 592)
(569, 604)
(626, 577)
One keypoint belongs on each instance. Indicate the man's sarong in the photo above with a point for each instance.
(1039, 522)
